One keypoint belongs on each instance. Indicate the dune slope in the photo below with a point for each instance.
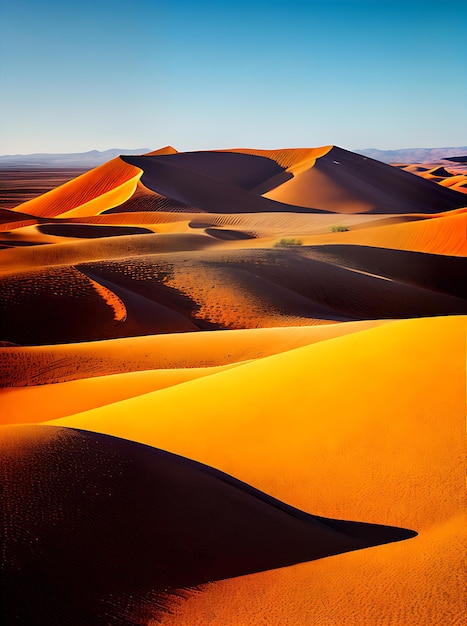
(98, 189)
(43, 365)
(116, 528)
(359, 417)
(344, 182)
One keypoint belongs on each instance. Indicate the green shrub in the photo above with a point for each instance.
(339, 229)
(288, 242)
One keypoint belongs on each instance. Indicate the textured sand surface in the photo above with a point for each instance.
(294, 318)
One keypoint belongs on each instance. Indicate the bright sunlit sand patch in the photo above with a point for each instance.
(447, 234)
(40, 365)
(116, 178)
(368, 426)
(40, 403)
(351, 380)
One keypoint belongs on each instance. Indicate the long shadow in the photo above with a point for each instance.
(100, 530)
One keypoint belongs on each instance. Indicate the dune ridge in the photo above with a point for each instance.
(95, 189)
(43, 365)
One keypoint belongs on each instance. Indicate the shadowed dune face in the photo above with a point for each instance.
(90, 231)
(246, 171)
(209, 193)
(336, 181)
(345, 182)
(178, 292)
(117, 529)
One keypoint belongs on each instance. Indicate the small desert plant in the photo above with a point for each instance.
(339, 229)
(288, 242)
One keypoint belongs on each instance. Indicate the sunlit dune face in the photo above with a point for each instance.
(102, 187)
(364, 427)
(173, 353)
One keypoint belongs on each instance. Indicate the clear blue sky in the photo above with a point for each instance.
(211, 74)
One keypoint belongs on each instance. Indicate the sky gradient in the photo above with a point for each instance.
(197, 75)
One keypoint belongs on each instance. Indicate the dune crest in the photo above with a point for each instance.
(114, 180)
(119, 309)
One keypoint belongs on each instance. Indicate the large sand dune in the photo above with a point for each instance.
(346, 182)
(294, 318)
(92, 192)
(117, 529)
(324, 179)
(358, 417)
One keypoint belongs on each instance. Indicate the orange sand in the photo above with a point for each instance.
(94, 191)
(358, 420)
(444, 235)
(40, 365)
(349, 428)
(44, 402)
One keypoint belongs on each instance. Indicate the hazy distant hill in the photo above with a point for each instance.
(412, 155)
(93, 158)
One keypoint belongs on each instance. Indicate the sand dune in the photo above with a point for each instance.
(231, 289)
(345, 182)
(328, 378)
(92, 192)
(247, 309)
(40, 403)
(40, 365)
(455, 177)
(169, 177)
(246, 181)
(358, 417)
(119, 528)
(123, 246)
(444, 234)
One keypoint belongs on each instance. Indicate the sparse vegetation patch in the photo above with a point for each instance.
(288, 242)
(339, 229)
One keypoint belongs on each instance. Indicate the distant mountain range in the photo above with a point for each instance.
(93, 158)
(413, 155)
